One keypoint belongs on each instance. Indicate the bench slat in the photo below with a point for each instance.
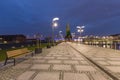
(17, 53)
(13, 53)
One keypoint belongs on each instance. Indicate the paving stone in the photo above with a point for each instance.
(67, 55)
(26, 61)
(57, 55)
(40, 66)
(114, 62)
(71, 62)
(98, 58)
(84, 62)
(75, 76)
(103, 62)
(116, 59)
(114, 68)
(21, 66)
(39, 61)
(54, 61)
(62, 67)
(75, 58)
(84, 68)
(98, 76)
(37, 57)
(79, 56)
(26, 75)
(49, 55)
(49, 58)
(47, 76)
(62, 58)
(63, 53)
(52, 53)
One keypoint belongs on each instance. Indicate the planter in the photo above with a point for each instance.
(38, 50)
(48, 46)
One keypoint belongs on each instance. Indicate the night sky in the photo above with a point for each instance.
(100, 17)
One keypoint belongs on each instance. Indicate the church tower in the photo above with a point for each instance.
(68, 33)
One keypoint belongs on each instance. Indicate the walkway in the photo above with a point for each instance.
(61, 62)
(107, 59)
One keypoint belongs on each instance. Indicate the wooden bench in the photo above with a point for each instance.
(17, 53)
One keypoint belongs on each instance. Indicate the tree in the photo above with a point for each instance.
(68, 33)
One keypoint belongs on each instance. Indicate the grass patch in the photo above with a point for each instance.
(3, 52)
(2, 55)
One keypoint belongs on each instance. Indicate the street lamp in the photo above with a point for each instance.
(80, 29)
(61, 35)
(73, 35)
(54, 25)
(38, 49)
(60, 32)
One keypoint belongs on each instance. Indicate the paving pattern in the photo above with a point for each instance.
(108, 59)
(61, 62)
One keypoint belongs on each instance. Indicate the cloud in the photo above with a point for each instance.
(37, 15)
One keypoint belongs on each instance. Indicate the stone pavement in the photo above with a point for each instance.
(61, 62)
(108, 59)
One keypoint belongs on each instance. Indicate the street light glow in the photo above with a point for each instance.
(55, 19)
(80, 30)
(55, 24)
(60, 31)
(80, 27)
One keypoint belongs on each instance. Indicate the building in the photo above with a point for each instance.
(111, 41)
(12, 38)
(115, 36)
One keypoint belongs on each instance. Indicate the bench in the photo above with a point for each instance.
(17, 53)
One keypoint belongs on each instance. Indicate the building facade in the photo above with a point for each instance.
(12, 38)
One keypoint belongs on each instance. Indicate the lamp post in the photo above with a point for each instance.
(61, 36)
(38, 49)
(73, 35)
(80, 29)
(38, 40)
(54, 25)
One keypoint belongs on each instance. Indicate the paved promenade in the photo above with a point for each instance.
(107, 59)
(63, 62)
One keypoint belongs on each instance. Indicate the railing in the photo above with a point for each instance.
(104, 44)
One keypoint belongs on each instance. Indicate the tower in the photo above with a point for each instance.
(68, 33)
